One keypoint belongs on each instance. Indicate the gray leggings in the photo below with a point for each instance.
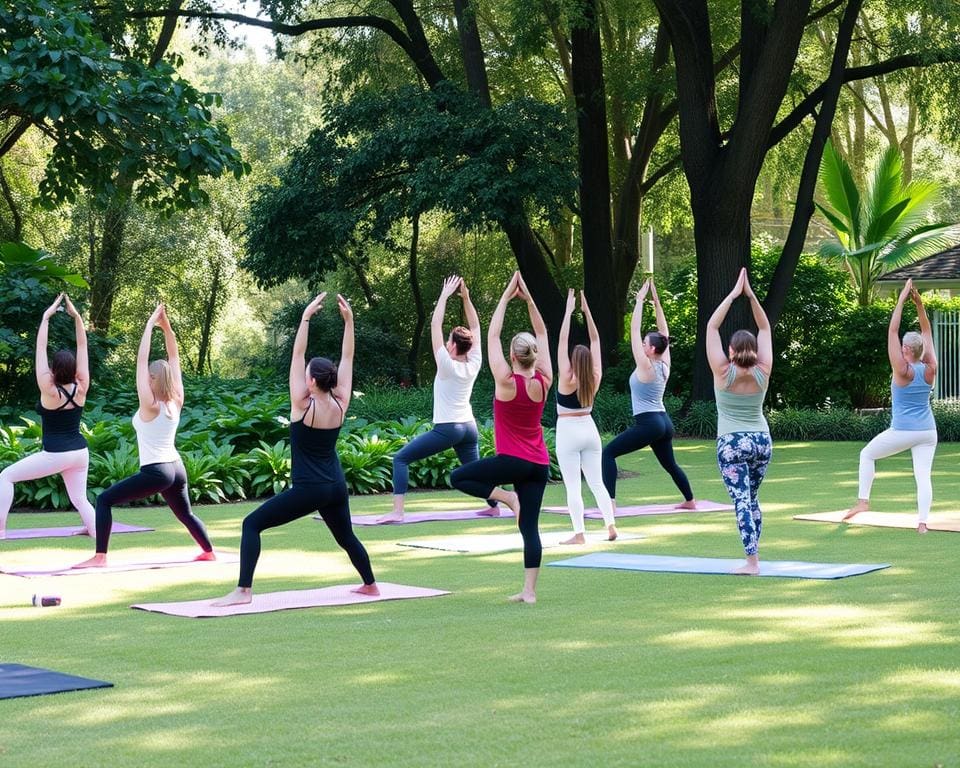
(462, 436)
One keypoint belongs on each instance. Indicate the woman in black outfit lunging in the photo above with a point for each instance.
(319, 397)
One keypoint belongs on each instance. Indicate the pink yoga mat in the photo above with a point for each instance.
(429, 517)
(649, 509)
(282, 601)
(71, 530)
(61, 570)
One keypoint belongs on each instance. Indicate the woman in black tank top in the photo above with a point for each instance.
(63, 382)
(319, 397)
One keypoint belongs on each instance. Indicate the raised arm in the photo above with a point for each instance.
(44, 376)
(716, 355)
(563, 352)
(929, 351)
(83, 355)
(148, 403)
(298, 365)
(898, 363)
(764, 333)
(344, 388)
(499, 366)
(173, 355)
(596, 353)
(661, 320)
(636, 330)
(450, 285)
(470, 312)
(543, 364)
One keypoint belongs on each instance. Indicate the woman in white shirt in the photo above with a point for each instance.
(458, 363)
(160, 391)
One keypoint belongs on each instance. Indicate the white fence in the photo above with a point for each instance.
(946, 338)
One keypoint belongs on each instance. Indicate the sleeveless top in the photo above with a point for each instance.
(155, 439)
(61, 426)
(741, 412)
(911, 403)
(453, 385)
(516, 424)
(571, 404)
(313, 453)
(647, 397)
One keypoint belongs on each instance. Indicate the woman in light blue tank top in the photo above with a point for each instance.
(651, 422)
(744, 448)
(914, 364)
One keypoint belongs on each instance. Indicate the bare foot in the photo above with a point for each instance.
(512, 501)
(577, 538)
(750, 569)
(367, 589)
(692, 504)
(205, 556)
(83, 532)
(523, 597)
(391, 517)
(922, 528)
(99, 560)
(612, 533)
(239, 596)
(856, 509)
(489, 511)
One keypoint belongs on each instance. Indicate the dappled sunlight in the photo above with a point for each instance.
(378, 679)
(714, 638)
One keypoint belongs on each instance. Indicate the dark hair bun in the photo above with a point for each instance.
(324, 372)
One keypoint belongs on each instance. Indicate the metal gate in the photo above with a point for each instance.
(946, 338)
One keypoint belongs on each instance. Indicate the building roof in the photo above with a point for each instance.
(941, 266)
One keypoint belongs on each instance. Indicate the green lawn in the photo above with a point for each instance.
(610, 668)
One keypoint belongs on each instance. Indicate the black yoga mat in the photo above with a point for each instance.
(18, 680)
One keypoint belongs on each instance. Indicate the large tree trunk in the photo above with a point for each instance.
(413, 356)
(594, 167)
(209, 316)
(105, 261)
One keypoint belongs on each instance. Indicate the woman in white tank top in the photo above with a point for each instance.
(160, 392)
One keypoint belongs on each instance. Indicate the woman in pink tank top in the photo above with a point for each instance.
(522, 458)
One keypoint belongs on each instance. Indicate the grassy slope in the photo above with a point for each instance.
(609, 668)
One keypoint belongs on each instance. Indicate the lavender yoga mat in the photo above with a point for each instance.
(428, 517)
(282, 601)
(885, 520)
(119, 567)
(70, 530)
(649, 509)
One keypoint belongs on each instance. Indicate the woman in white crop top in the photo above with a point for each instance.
(458, 363)
(160, 392)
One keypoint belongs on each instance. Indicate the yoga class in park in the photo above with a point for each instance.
(412, 385)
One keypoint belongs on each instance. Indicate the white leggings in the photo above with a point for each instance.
(922, 445)
(578, 447)
(70, 465)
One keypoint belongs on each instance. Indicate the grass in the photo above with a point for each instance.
(610, 668)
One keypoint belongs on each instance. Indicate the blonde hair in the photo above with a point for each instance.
(914, 342)
(582, 363)
(744, 347)
(161, 380)
(523, 347)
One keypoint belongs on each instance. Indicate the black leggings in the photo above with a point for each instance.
(169, 479)
(331, 500)
(656, 430)
(479, 478)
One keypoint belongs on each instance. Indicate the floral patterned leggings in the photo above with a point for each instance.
(743, 458)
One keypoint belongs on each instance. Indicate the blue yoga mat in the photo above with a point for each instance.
(18, 680)
(718, 565)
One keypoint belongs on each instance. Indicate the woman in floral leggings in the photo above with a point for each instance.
(740, 377)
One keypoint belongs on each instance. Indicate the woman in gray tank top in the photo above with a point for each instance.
(744, 448)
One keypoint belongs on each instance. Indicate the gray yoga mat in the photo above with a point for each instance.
(717, 565)
(18, 680)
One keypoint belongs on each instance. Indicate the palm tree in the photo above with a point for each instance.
(883, 229)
